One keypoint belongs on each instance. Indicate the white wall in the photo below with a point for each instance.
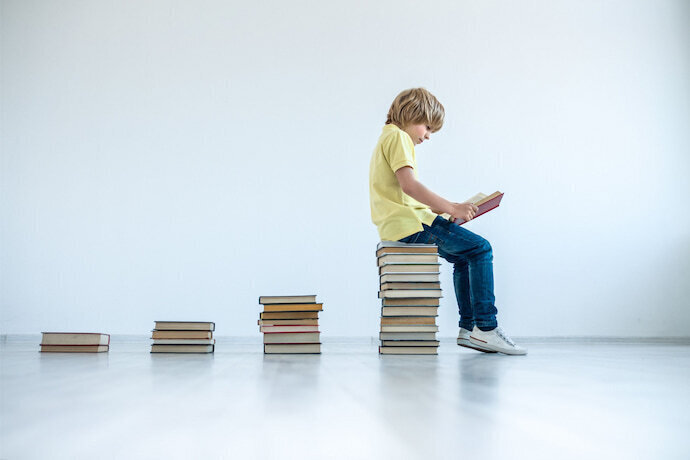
(175, 160)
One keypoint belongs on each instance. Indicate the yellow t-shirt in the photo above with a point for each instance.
(395, 214)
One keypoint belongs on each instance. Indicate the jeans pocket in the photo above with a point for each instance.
(411, 239)
(423, 237)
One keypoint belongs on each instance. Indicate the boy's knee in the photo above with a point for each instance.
(484, 248)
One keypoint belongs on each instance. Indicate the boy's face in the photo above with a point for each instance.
(418, 132)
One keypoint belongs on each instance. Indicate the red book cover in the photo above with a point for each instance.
(484, 208)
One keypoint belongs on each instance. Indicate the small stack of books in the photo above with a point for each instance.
(410, 291)
(74, 342)
(290, 324)
(183, 337)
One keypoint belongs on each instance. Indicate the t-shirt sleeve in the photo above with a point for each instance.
(399, 151)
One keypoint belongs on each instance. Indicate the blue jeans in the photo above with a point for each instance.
(473, 276)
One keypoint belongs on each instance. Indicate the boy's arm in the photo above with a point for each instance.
(412, 187)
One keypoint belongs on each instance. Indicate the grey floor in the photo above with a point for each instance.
(565, 399)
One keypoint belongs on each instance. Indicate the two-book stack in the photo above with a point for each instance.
(74, 342)
(409, 291)
(183, 337)
(290, 324)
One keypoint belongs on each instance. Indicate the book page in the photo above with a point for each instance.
(487, 198)
(476, 199)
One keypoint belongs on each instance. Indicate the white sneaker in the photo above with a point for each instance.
(495, 340)
(464, 341)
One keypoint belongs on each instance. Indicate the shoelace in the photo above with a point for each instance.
(503, 335)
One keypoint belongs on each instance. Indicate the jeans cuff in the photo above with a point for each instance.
(466, 325)
(487, 325)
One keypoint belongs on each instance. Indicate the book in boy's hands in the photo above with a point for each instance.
(485, 203)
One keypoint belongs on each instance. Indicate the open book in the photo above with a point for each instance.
(485, 203)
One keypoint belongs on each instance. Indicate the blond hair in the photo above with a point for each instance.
(416, 106)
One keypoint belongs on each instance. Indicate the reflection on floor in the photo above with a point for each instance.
(565, 399)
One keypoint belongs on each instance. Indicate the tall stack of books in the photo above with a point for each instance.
(290, 324)
(410, 291)
(74, 342)
(183, 337)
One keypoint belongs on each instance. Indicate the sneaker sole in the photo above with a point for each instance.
(496, 350)
(475, 347)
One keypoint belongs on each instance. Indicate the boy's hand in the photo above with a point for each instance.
(463, 211)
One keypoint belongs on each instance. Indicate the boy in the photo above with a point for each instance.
(401, 209)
